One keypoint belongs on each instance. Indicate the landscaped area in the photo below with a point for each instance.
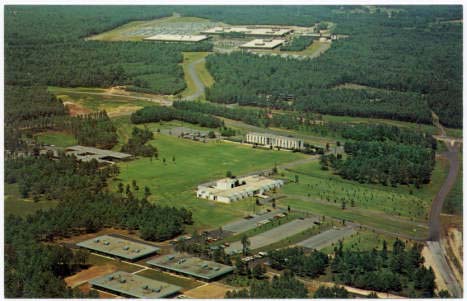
(189, 163)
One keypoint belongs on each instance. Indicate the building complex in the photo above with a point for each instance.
(271, 140)
(233, 189)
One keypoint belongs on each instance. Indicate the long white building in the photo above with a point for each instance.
(274, 140)
(229, 190)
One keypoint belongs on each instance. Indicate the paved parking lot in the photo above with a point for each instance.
(275, 235)
(243, 225)
(326, 238)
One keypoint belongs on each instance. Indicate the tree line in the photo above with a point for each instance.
(156, 114)
(137, 146)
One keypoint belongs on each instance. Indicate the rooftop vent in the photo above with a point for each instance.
(111, 278)
(96, 240)
(122, 280)
(126, 248)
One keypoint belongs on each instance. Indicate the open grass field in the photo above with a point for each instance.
(59, 139)
(174, 182)
(215, 290)
(16, 205)
(454, 201)
(363, 240)
(398, 210)
(184, 282)
(404, 201)
(116, 102)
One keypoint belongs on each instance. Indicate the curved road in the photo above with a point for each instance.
(434, 244)
(197, 81)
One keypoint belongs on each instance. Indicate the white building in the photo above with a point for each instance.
(229, 190)
(274, 140)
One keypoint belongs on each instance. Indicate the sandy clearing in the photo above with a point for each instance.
(85, 288)
(75, 109)
(429, 262)
(214, 290)
(85, 275)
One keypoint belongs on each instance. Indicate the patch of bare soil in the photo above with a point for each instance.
(430, 262)
(85, 288)
(76, 109)
(84, 276)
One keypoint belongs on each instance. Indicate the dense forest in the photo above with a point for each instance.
(414, 61)
(280, 287)
(156, 114)
(384, 154)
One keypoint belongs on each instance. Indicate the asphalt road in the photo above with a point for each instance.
(326, 238)
(243, 224)
(198, 83)
(444, 269)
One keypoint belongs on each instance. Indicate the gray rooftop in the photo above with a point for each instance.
(119, 247)
(87, 153)
(190, 265)
(134, 285)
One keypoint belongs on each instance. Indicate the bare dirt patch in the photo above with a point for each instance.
(213, 290)
(88, 274)
(429, 262)
(75, 109)
(122, 110)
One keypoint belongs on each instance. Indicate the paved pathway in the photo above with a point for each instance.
(326, 238)
(197, 81)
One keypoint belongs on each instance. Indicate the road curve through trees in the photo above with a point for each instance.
(196, 80)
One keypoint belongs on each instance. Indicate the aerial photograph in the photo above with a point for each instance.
(232, 151)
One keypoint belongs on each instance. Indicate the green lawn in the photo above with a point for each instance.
(454, 201)
(394, 209)
(94, 259)
(16, 205)
(186, 283)
(174, 183)
(56, 138)
(362, 241)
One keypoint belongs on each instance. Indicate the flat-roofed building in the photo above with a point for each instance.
(118, 247)
(177, 38)
(233, 189)
(87, 153)
(263, 44)
(192, 266)
(133, 286)
(260, 31)
(271, 140)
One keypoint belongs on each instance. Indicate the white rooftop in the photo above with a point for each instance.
(250, 30)
(263, 43)
(177, 38)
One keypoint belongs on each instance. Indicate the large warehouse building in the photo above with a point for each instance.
(133, 286)
(118, 247)
(233, 189)
(262, 44)
(87, 153)
(192, 266)
(259, 31)
(177, 38)
(271, 140)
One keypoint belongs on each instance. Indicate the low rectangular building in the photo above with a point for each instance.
(87, 153)
(118, 247)
(192, 266)
(233, 189)
(271, 140)
(177, 38)
(133, 286)
(259, 31)
(262, 44)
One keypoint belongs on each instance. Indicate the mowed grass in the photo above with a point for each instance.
(97, 260)
(174, 183)
(362, 240)
(200, 69)
(16, 205)
(395, 209)
(59, 139)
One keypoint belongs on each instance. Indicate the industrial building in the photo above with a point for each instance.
(271, 140)
(86, 153)
(259, 31)
(177, 38)
(233, 189)
(192, 266)
(262, 44)
(118, 247)
(133, 286)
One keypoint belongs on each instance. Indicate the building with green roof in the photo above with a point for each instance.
(133, 286)
(192, 266)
